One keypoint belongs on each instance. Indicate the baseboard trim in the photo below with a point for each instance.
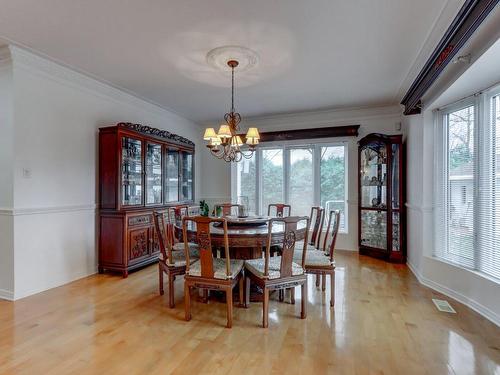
(470, 303)
(6, 294)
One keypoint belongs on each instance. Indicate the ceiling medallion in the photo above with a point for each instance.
(218, 58)
(227, 144)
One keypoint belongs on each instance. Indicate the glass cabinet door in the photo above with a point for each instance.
(395, 176)
(374, 176)
(187, 176)
(154, 174)
(131, 171)
(374, 229)
(172, 172)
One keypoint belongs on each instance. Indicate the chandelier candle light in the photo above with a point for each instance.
(227, 144)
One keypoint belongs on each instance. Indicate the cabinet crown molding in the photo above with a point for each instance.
(148, 130)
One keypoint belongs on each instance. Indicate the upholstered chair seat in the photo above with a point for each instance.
(313, 258)
(256, 266)
(219, 267)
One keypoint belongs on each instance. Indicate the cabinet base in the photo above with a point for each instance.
(125, 270)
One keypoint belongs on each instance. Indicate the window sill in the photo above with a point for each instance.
(463, 268)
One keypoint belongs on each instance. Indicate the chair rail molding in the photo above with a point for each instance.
(4, 211)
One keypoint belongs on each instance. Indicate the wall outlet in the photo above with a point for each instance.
(27, 172)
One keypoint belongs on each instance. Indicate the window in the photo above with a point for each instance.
(272, 177)
(246, 183)
(467, 195)
(301, 184)
(303, 175)
(333, 179)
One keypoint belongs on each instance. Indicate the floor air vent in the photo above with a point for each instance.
(443, 306)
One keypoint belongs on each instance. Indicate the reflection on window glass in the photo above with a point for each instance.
(154, 175)
(246, 183)
(301, 185)
(332, 188)
(460, 213)
(187, 176)
(272, 177)
(172, 166)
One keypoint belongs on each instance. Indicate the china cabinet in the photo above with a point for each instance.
(141, 169)
(381, 192)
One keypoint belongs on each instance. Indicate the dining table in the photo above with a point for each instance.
(247, 236)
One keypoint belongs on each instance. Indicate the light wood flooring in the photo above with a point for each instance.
(383, 323)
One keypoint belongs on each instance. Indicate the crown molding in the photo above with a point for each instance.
(68, 76)
(469, 18)
(445, 17)
(5, 57)
(326, 117)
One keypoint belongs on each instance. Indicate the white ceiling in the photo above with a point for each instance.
(313, 54)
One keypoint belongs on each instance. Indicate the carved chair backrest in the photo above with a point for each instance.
(331, 233)
(204, 241)
(175, 215)
(317, 217)
(163, 234)
(279, 210)
(290, 226)
(228, 208)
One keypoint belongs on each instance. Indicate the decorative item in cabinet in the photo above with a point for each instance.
(141, 169)
(381, 186)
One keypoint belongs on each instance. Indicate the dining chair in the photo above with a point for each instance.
(170, 262)
(175, 215)
(317, 217)
(321, 262)
(279, 210)
(228, 209)
(211, 273)
(281, 272)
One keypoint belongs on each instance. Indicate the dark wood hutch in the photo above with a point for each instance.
(141, 169)
(381, 206)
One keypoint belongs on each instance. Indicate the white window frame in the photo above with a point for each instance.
(482, 103)
(286, 147)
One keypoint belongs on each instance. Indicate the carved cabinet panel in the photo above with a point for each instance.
(138, 243)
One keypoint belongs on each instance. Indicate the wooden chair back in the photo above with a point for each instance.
(227, 208)
(279, 210)
(331, 233)
(204, 241)
(318, 213)
(163, 233)
(290, 224)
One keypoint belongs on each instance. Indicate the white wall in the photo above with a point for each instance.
(57, 115)
(372, 120)
(6, 179)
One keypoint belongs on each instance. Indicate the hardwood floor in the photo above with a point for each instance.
(383, 322)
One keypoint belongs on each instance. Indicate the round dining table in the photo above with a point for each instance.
(247, 236)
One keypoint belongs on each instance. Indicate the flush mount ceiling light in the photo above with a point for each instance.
(227, 144)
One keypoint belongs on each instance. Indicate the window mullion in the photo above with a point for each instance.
(317, 174)
(286, 174)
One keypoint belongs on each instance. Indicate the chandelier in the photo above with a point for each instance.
(226, 144)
